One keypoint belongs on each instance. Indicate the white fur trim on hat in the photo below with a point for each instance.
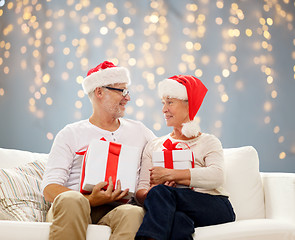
(191, 128)
(105, 77)
(172, 88)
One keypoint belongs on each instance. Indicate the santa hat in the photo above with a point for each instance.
(105, 74)
(185, 87)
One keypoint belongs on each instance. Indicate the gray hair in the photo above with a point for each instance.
(91, 95)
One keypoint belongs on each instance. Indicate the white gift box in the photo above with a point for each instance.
(182, 159)
(97, 165)
(174, 159)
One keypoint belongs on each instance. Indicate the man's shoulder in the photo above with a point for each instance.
(136, 127)
(73, 127)
(77, 124)
(132, 123)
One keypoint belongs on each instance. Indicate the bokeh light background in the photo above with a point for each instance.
(244, 52)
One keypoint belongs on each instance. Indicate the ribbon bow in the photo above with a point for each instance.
(170, 146)
(168, 158)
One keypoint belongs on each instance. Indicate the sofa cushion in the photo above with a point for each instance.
(12, 230)
(243, 182)
(15, 158)
(256, 229)
(20, 195)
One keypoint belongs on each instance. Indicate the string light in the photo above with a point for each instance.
(149, 56)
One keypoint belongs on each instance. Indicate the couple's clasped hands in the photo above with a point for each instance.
(100, 196)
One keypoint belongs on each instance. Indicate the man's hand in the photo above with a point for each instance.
(99, 196)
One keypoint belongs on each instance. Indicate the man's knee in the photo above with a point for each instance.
(71, 200)
(130, 211)
(70, 215)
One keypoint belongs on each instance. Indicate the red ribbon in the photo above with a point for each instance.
(112, 162)
(168, 159)
(83, 153)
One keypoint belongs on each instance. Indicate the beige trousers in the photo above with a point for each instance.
(70, 215)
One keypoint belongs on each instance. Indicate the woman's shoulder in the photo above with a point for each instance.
(210, 140)
(208, 136)
(157, 142)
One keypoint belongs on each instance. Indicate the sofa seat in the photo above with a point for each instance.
(264, 203)
(258, 229)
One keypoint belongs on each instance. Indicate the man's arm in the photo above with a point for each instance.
(52, 190)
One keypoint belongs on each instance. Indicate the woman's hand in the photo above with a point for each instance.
(170, 184)
(160, 175)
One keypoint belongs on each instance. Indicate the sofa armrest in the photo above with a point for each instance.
(279, 194)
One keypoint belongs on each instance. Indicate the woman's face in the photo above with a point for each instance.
(176, 111)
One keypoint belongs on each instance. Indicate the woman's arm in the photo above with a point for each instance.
(143, 184)
(209, 174)
(141, 195)
(160, 175)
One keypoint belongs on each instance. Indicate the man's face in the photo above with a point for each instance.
(114, 102)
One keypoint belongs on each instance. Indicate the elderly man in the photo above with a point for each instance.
(72, 211)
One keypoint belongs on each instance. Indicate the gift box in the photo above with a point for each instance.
(108, 159)
(173, 158)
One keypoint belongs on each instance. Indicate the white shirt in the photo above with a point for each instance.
(208, 174)
(64, 165)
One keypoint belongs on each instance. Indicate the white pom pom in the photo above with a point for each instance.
(191, 128)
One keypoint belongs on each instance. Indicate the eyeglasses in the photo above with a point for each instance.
(124, 91)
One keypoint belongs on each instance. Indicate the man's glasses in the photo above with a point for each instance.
(124, 91)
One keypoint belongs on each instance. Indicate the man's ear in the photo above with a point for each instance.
(98, 92)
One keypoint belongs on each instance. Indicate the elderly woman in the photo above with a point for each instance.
(173, 212)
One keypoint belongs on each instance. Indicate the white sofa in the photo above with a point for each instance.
(264, 202)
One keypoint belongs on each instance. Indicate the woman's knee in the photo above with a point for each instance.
(182, 228)
(159, 189)
(160, 192)
(181, 218)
